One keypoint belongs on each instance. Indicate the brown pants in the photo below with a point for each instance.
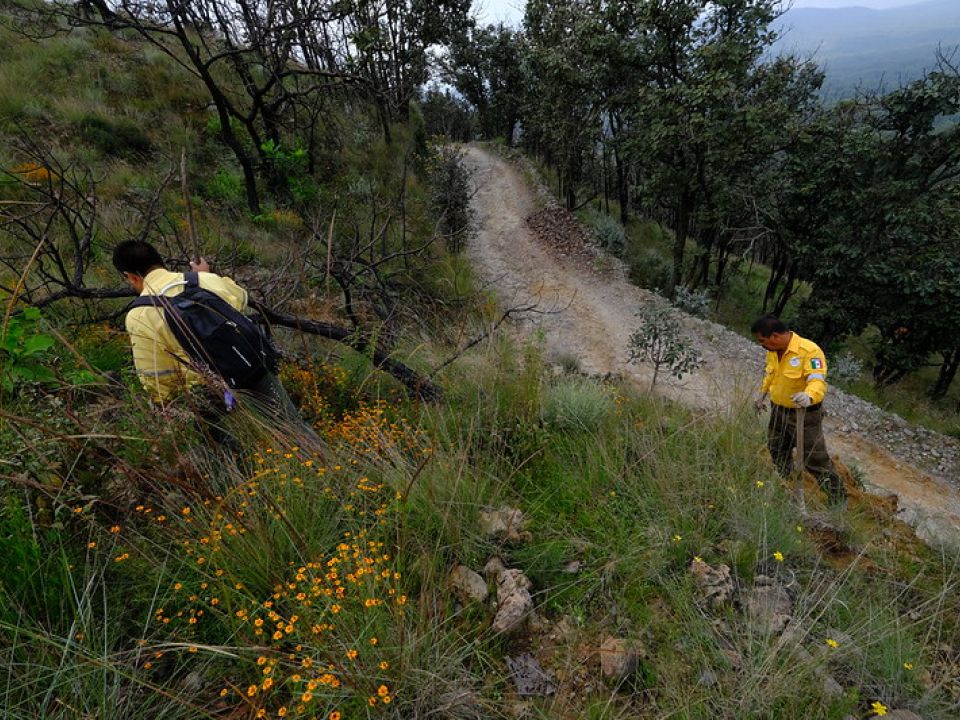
(782, 438)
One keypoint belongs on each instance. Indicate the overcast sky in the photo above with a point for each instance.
(511, 11)
(495, 11)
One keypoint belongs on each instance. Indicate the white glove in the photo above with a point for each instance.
(760, 403)
(801, 399)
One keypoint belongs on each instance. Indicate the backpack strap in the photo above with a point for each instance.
(145, 301)
(190, 279)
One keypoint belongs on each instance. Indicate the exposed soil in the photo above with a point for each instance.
(529, 250)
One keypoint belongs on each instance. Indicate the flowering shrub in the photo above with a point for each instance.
(370, 430)
(32, 173)
(290, 570)
(322, 389)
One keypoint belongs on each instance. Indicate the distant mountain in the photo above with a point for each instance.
(874, 4)
(865, 47)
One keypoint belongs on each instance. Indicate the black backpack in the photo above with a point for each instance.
(214, 334)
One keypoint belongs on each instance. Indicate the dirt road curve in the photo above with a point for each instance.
(596, 312)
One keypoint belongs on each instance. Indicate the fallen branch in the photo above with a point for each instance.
(418, 385)
(483, 336)
(514, 311)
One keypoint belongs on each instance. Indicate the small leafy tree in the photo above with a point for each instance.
(450, 195)
(660, 340)
(22, 345)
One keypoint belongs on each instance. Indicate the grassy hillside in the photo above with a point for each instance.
(150, 573)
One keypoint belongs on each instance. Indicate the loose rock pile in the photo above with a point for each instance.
(559, 229)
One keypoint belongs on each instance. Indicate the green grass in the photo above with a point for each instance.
(631, 487)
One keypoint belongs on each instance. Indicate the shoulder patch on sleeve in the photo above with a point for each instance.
(816, 363)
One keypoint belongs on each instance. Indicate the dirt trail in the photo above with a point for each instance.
(597, 307)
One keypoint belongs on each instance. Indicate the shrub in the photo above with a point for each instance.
(287, 173)
(649, 269)
(22, 348)
(119, 138)
(694, 302)
(845, 369)
(224, 185)
(610, 234)
(576, 404)
(659, 340)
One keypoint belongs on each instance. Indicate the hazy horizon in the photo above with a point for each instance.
(510, 12)
(872, 4)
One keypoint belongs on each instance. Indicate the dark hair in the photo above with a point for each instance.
(768, 325)
(136, 256)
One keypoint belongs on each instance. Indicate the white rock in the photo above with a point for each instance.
(467, 586)
(514, 603)
(507, 523)
(494, 569)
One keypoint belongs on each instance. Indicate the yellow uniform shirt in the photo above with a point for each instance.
(803, 368)
(155, 349)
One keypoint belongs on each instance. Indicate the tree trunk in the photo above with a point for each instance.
(683, 222)
(787, 291)
(416, 384)
(623, 190)
(702, 273)
(948, 372)
(777, 268)
(886, 376)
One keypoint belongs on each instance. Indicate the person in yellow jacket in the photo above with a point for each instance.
(796, 377)
(162, 365)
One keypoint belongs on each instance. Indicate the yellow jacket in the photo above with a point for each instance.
(155, 349)
(803, 368)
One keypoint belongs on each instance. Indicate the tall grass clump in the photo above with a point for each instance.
(576, 403)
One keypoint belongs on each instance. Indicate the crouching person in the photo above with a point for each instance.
(185, 326)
